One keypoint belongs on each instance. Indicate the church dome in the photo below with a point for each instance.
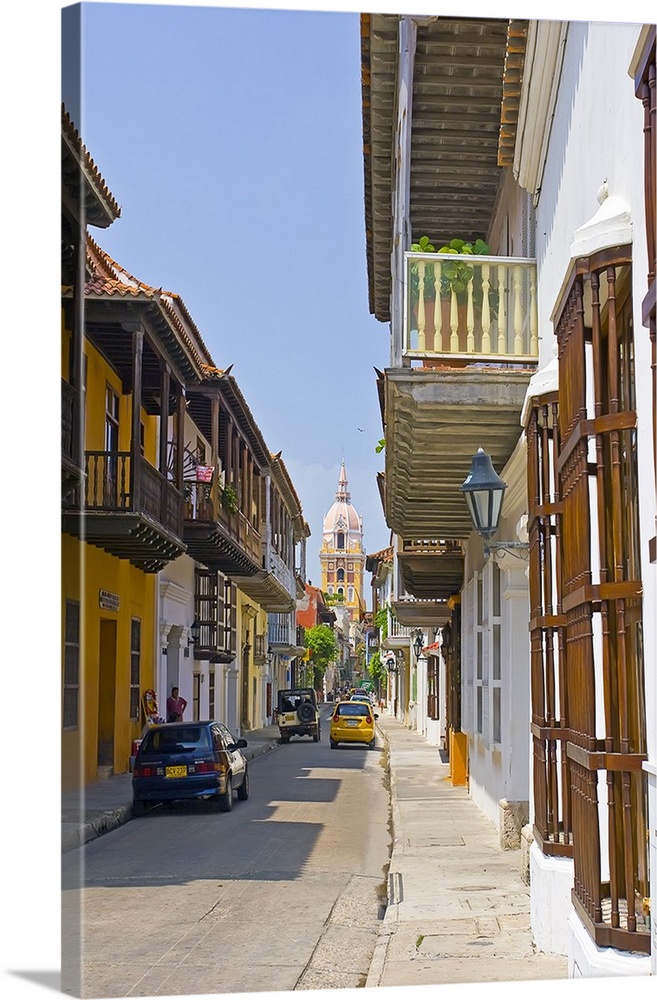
(342, 515)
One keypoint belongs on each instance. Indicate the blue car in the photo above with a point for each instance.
(189, 760)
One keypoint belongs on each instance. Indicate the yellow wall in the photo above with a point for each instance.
(86, 570)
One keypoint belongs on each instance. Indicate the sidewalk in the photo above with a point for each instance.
(107, 803)
(458, 910)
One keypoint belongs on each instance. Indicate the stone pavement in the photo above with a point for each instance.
(458, 909)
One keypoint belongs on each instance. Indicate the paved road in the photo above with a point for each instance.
(282, 893)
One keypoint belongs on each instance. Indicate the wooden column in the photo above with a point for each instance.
(180, 438)
(165, 385)
(135, 450)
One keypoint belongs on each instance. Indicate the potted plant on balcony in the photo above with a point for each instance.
(424, 246)
(229, 499)
(455, 278)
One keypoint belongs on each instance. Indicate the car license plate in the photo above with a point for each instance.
(352, 722)
(179, 771)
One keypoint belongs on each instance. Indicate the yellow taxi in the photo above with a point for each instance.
(352, 722)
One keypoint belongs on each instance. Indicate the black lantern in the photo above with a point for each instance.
(391, 665)
(195, 633)
(484, 492)
(418, 644)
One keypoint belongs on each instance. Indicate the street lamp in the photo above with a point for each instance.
(418, 644)
(391, 665)
(195, 633)
(484, 493)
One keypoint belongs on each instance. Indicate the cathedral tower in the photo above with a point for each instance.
(342, 556)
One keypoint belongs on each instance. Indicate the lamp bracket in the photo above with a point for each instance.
(521, 547)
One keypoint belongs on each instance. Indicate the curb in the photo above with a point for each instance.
(391, 916)
(99, 822)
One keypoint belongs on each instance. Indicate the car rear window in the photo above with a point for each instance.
(184, 740)
(352, 708)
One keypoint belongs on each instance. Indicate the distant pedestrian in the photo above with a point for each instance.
(175, 706)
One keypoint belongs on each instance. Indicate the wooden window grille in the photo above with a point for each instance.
(212, 694)
(71, 696)
(601, 601)
(196, 697)
(135, 667)
(645, 92)
(468, 658)
(432, 688)
(549, 713)
(206, 608)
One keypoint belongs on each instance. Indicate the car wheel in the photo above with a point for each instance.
(226, 800)
(372, 744)
(243, 790)
(333, 744)
(285, 738)
(138, 808)
(305, 712)
(316, 736)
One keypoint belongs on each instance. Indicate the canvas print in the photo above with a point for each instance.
(358, 480)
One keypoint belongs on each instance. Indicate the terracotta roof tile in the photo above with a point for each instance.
(108, 278)
(92, 172)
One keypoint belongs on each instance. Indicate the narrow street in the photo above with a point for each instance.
(282, 893)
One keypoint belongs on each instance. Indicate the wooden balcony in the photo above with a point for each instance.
(283, 638)
(464, 309)
(72, 470)
(221, 540)
(128, 508)
(431, 568)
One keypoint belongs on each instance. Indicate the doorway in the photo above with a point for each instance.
(106, 692)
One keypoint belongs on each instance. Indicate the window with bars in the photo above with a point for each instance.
(71, 694)
(482, 666)
(549, 712)
(432, 688)
(135, 667)
(212, 694)
(601, 600)
(215, 610)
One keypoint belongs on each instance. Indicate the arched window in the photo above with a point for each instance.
(340, 543)
(340, 591)
(340, 576)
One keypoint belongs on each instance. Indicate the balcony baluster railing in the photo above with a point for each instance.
(466, 309)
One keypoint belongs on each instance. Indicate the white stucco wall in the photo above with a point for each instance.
(596, 143)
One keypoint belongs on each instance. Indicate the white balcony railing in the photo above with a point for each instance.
(462, 308)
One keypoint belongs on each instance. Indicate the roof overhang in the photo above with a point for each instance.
(463, 78)
(435, 422)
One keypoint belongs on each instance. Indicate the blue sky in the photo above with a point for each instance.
(232, 139)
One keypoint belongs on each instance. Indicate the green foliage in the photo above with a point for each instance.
(229, 499)
(331, 599)
(375, 667)
(381, 622)
(456, 277)
(321, 641)
(380, 446)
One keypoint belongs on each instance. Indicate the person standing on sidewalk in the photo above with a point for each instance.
(175, 706)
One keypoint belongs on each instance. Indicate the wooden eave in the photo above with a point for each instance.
(436, 421)
(422, 613)
(460, 69)
(286, 488)
(211, 543)
(86, 197)
(428, 576)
